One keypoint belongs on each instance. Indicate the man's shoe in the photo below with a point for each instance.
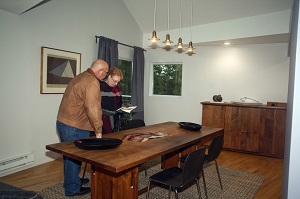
(82, 191)
(84, 180)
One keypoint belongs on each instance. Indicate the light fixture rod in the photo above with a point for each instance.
(154, 14)
(180, 16)
(191, 19)
(168, 16)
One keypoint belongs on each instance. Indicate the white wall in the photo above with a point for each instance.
(27, 117)
(256, 71)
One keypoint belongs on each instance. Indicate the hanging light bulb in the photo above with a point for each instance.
(191, 48)
(179, 44)
(168, 40)
(154, 38)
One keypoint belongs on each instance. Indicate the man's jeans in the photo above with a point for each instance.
(71, 167)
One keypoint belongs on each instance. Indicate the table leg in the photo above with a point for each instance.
(170, 160)
(105, 184)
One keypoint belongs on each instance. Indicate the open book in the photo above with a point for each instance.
(127, 109)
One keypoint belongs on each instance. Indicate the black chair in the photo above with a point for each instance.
(213, 153)
(135, 123)
(176, 178)
(8, 191)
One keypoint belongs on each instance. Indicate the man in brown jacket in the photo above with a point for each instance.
(79, 113)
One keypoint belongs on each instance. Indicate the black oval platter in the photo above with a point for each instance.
(97, 143)
(190, 126)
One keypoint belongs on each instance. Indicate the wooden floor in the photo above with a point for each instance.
(51, 173)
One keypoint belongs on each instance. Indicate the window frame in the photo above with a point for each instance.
(151, 79)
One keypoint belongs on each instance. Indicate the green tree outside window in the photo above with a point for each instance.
(126, 67)
(167, 79)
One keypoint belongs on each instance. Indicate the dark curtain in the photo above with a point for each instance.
(108, 51)
(137, 83)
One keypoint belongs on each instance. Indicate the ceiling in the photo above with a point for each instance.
(203, 12)
(20, 6)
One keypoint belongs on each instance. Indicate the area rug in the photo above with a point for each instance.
(236, 185)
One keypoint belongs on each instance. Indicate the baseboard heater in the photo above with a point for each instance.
(15, 163)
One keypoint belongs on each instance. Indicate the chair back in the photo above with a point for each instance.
(193, 165)
(135, 123)
(214, 149)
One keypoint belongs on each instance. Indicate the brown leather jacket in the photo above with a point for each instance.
(81, 103)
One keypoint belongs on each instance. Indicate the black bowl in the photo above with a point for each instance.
(190, 126)
(97, 143)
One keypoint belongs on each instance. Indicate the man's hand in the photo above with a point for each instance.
(98, 135)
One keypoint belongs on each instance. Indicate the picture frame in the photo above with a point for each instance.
(58, 67)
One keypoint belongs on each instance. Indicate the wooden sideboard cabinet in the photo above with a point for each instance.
(258, 129)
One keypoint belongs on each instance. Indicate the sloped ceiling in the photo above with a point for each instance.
(203, 12)
(20, 6)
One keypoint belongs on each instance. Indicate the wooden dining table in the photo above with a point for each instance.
(114, 172)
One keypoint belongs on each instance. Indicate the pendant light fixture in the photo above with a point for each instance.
(154, 38)
(180, 48)
(168, 40)
(191, 48)
(179, 44)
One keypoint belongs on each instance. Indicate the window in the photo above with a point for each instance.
(126, 67)
(167, 79)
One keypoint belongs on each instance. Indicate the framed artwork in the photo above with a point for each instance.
(58, 67)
